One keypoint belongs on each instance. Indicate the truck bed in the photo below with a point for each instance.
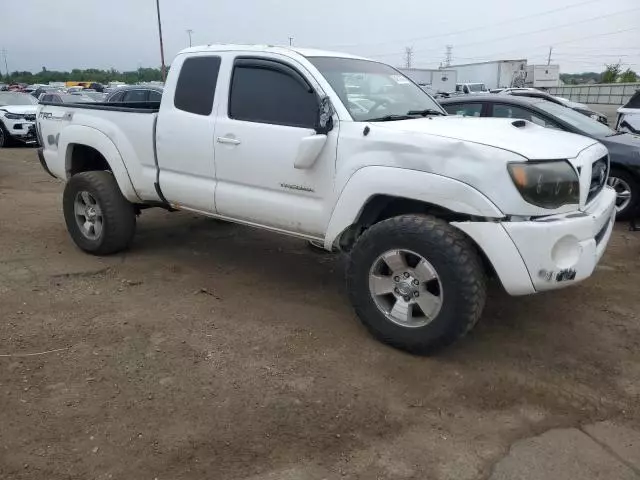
(136, 107)
(124, 133)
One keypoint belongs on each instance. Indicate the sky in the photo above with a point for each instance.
(123, 34)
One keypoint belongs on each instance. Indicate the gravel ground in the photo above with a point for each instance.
(211, 350)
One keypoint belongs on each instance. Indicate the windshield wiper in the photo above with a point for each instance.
(425, 112)
(390, 118)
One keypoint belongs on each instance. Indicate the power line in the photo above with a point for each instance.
(586, 55)
(578, 22)
(472, 29)
(520, 34)
(493, 55)
(164, 70)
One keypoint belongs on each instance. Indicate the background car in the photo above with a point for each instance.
(578, 107)
(135, 93)
(624, 148)
(95, 96)
(584, 109)
(17, 118)
(629, 115)
(60, 97)
(44, 89)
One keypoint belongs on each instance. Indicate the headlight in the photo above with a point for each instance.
(547, 184)
(14, 116)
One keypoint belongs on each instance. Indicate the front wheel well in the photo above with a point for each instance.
(383, 207)
(84, 158)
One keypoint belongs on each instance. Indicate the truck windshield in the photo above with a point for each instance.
(374, 91)
(14, 98)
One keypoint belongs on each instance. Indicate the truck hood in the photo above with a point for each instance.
(19, 109)
(530, 140)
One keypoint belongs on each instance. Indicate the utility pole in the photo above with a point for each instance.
(189, 32)
(4, 54)
(549, 57)
(163, 68)
(408, 56)
(448, 56)
(290, 41)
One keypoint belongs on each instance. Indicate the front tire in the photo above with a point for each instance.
(416, 282)
(627, 190)
(98, 217)
(5, 138)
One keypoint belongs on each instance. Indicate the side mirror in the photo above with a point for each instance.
(325, 116)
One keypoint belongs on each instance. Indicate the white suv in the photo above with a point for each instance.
(17, 118)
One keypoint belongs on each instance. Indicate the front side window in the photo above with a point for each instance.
(374, 91)
(464, 109)
(196, 87)
(271, 95)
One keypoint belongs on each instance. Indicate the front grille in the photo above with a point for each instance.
(30, 117)
(599, 174)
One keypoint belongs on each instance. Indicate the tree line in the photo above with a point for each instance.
(90, 74)
(613, 73)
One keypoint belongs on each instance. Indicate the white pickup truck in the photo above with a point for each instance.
(350, 153)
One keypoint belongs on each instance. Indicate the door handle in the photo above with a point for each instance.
(228, 140)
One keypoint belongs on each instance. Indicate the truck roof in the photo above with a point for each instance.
(286, 50)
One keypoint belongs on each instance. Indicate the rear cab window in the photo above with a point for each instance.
(196, 85)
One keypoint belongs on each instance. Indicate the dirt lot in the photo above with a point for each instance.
(216, 351)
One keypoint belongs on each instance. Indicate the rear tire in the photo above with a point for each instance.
(454, 292)
(95, 197)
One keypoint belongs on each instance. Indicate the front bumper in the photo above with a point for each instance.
(22, 130)
(549, 252)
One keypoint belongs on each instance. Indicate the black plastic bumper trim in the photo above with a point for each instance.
(43, 162)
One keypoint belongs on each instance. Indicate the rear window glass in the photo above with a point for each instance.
(465, 109)
(197, 85)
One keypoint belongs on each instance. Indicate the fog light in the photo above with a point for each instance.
(566, 252)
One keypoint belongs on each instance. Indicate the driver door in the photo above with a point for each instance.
(268, 117)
